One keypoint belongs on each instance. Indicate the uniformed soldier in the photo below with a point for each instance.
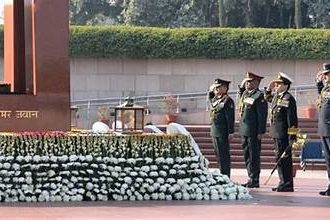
(222, 117)
(253, 112)
(283, 127)
(323, 85)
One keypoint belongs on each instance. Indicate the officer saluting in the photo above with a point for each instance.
(323, 85)
(283, 127)
(253, 112)
(222, 118)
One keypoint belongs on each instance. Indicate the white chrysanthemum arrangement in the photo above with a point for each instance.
(41, 168)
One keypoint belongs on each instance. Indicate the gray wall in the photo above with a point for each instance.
(105, 78)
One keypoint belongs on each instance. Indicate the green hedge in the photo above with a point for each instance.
(143, 42)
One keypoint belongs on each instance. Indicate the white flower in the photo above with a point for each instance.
(161, 196)
(151, 189)
(195, 158)
(199, 196)
(185, 196)
(149, 180)
(178, 196)
(27, 159)
(215, 197)
(117, 168)
(148, 160)
(194, 165)
(143, 174)
(146, 197)
(162, 188)
(171, 189)
(6, 166)
(172, 171)
(16, 166)
(63, 158)
(160, 160)
(168, 197)
(113, 160)
(181, 172)
(139, 197)
(139, 180)
(154, 167)
(178, 160)
(169, 160)
(145, 169)
(198, 190)
(154, 196)
(162, 173)
(160, 180)
(89, 186)
(128, 180)
(53, 159)
(89, 158)
(95, 166)
(131, 161)
(106, 159)
(170, 180)
(121, 160)
(206, 190)
(180, 182)
(153, 174)
(165, 167)
(133, 173)
(195, 180)
(232, 196)
(128, 169)
(19, 158)
(206, 196)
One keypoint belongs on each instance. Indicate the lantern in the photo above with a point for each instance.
(129, 118)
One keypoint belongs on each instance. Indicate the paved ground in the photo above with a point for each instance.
(304, 203)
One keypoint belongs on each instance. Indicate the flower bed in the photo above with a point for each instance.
(70, 167)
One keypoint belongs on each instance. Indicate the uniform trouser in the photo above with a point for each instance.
(221, 147)
(251, 149)
(284, 168)
(326, 149)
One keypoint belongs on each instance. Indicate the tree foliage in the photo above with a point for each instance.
(203, 13)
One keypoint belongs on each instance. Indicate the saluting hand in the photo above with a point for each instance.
(243, 83)
(271, 85)
(319, 77)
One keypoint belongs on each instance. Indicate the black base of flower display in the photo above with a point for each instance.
(37, 168)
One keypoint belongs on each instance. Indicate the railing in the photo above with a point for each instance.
(186, 102)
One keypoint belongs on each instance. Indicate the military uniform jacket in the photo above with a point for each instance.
(324, 109)
(283, 114)
(222, 115)
(253, 112)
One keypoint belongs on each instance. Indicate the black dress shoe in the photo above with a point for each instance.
(325, 193)
(251, 185)
(285, 189)
(274, 189)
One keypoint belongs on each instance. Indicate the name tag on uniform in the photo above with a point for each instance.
(249, 100)
(283, 103)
